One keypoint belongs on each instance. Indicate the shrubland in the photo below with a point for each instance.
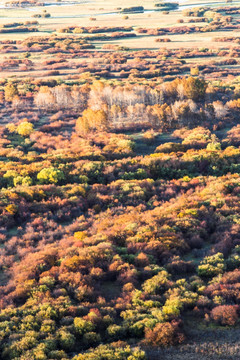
(119, 192)
(111, 239)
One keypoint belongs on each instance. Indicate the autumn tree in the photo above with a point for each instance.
(25, 128)
(160, 115)
(166, 334)
(10, 91)
(50, 176)
(92, 120)
(194, 88)
(44, 98)
(225, 315)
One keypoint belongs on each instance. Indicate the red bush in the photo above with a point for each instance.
(225, 315)
(166, 334)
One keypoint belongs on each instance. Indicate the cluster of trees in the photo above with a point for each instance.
(23, 3)
(21, 64)
(27, 26)
(44, 14)
(168, 106)
(94, 29)
(189, 101)
(228, 39)
(16, 29)
(167, 6)
(205, 10)
(214, 21)
(54, 42)
(16, 24)
(105, 37)
(163, 65)
(132, 9)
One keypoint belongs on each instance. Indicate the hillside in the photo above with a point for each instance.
(119, 181)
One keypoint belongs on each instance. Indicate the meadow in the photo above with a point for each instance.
(106, 15)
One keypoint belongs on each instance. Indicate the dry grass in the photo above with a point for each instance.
(79, 14)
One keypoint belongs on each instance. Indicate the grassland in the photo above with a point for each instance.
(107, 14)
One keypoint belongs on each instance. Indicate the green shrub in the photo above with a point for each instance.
(116, 332)
(82, 326)
(50, 176)
(66, 340)
(112, 352)
(91, 339)
(212, 266)
(157, 283)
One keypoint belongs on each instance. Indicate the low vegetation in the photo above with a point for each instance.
(119, 187)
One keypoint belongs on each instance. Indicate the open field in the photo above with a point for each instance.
(105, 15)
(105, 12)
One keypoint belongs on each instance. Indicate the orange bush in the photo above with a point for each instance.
(225, 315)
(166, 334)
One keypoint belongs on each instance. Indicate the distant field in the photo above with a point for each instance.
(100, 13)
(80, 12)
